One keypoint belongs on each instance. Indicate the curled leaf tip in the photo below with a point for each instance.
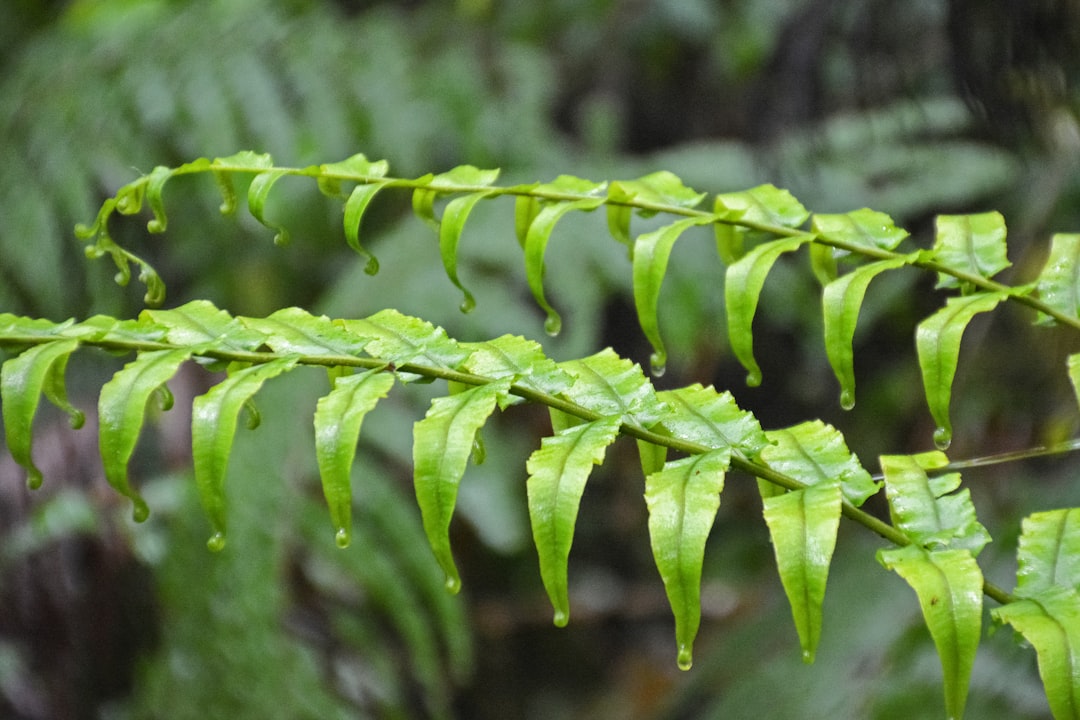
(942, 438)
(847, 399)
(561, 619)
(342, 538)
(76, 419)
(686, 657)
(216, 543)
(372, 267)
(553, 324)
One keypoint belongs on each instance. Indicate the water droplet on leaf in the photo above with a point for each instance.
(216, 543)
(372, 267)
(342, 538)
(753, 379)
(686, 657)
(140, 511)
(453, 585)
(561, 618)
(468, 304)
(847, 399)
(33, 479)
(553, 325)
(658, 364)
(942, 439)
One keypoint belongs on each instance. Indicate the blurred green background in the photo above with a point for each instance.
(912, 108)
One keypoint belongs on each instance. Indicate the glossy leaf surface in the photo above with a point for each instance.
(683, 499)
(1049, 551)
(442, 442)
(971, 243)
(557, 475)
(1059, 282)
(610, 385)
(815, 453)
(865, 227)
(293, 330)
(703, 415)
(522, 360)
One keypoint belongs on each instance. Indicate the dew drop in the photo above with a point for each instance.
(33, 479)
(216, 543)
(658, 364)
(753, 379)
(342, 538)
(807, 657)
(468, 304)
(847, 399)
(452, 585)
(686, 657)
(282, 238)
(942, 439)
(140, 510)
(372, 267)
(561, 618)
(553, 324)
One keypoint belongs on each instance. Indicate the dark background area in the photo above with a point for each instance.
(914, 109)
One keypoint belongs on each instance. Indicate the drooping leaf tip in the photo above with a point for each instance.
(553, 324)
(140, 511)
(452, 584)
(561, 618)
(372, 267)
(34, 479)
(216, 543)
(342, 538)
(685, 657)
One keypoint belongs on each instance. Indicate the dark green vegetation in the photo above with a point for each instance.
(284, 624)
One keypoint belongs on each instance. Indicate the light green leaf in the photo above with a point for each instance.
(823, 262)
(258, 191)
(926, 508)
(402, 339)
(662, 188)
(651, 253)
(453, 222)
(213, 426)
(557, 475)
(610, 385)
(742, 289)
(199, 324)
(949, 585)
(536, 240)
(803, 526)
(423, 199)
(358, 201)
(155, 183)
(522, 360)
(122, 411)
(338, 417)
(652, 457)
(526, 208)
(574, 186)
(1074, 374)
(815, 453)
(865, 228)
(22, 379)
(221, 167)
(1050, 621)
(1059, 281)
(937, 340)
(841, 301)
(1049, 551)
(293, 330)
(702, 415)
(354, 168)
(442, 442)
(683, 499)
(765, 204)
(618, 222)
(730, 240)
(972, 243)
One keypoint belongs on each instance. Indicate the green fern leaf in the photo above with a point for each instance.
(536, 241)
(661, 188)
(557, 475)
(702, 415)
(423, 199)
(121, 412)
(22, 380)
(683, 499)
(949, 586)
(520, 359)
(357, 167)
(815, 453)
(453, 222)
(338, 417)
(972, 243)
(764, 204)
(442, 442)
(610, 385)
(742, 290)
(863, 228)
(1050, 621)
(213, 426)
(292, 330)
(258, 191)
(1074, 374)
(803, 526)
(402, 339)
(1049, 551)
(1059, 282)
(926, 508)
(199, 325)
(841, 301)
(937, 340)
(155, 183)
(651, 253)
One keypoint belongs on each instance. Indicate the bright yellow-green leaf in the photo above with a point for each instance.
(453, 222)
(815, 453)
(1059, 281)
(258, 191)
(610, 385)
(971, 243)
(1049, 551)
(442, 442)
(557, 475)
(683, 499)
(865, 227)
(338, 417)
(702, 415)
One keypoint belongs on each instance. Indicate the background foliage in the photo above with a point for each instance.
(914, 112)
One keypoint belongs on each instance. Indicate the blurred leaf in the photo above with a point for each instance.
(1059, 282)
